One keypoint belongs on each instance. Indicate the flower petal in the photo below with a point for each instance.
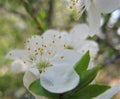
(107, 6)
(66, 57)
(80, 32)
(17, 54)
(30, 76)
(93, 20)
(18, 66)
(59, 79)
(86, 45)
(109, 93)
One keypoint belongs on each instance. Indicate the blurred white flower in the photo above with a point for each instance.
(94, 9)
(109, 93)
(49, 61)
(77, 40)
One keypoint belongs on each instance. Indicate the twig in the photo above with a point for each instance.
(30, 11)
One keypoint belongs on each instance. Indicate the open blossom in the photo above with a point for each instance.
(94, 9)
(48, 61)
(77, 40)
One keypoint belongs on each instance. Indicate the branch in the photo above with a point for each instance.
(6, 8)
(30, 11)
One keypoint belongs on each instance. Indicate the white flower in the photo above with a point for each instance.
(109, 93)
(77, 40)
(53, 65)
(94, 9)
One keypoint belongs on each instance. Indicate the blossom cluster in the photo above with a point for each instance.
(53, 60)
(94, 9)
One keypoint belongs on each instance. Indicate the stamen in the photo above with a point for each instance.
(36, 43)
(60, 37)
(62, 57)
(28, 49)
(53, 41)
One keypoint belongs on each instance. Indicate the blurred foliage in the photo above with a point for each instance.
(19, 19)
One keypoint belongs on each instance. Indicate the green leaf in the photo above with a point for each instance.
(36, 88)
(83, 63)
(89, 92)
(88, 76)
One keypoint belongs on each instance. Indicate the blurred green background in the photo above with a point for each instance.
(19, 19)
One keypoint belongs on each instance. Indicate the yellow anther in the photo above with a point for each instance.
(60, 37)
(53, 41)
(24, 62)
(36, 53)
(35, 50)
(36, 43)
(28, 49)
(49, 52)
(62, 57)
(70, 7)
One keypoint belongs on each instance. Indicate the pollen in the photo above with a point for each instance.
(60, 37)
(28, 49)
(49, 52)
(71, 7)
(62, 57)
(64, 46)
(53, 41)
(35, 50)
(24, 62)
(36, 43)
(36, 53)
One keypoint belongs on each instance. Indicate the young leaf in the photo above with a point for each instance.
(82, 64)
(88, 76)
(36, 88)
(89, 92)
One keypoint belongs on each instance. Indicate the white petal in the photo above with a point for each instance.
(109, 93)
(107, 6)
(91, 64)
(17, 54)
(66, 57)
(18, 67)
(59, 79)
(54, 42)
(30, 76)
(93, 20)
(86, 45)
(87, 4)
(79, 32)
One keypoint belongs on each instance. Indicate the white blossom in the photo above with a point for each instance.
(46, 54)
(77, 40)
(94, 9)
